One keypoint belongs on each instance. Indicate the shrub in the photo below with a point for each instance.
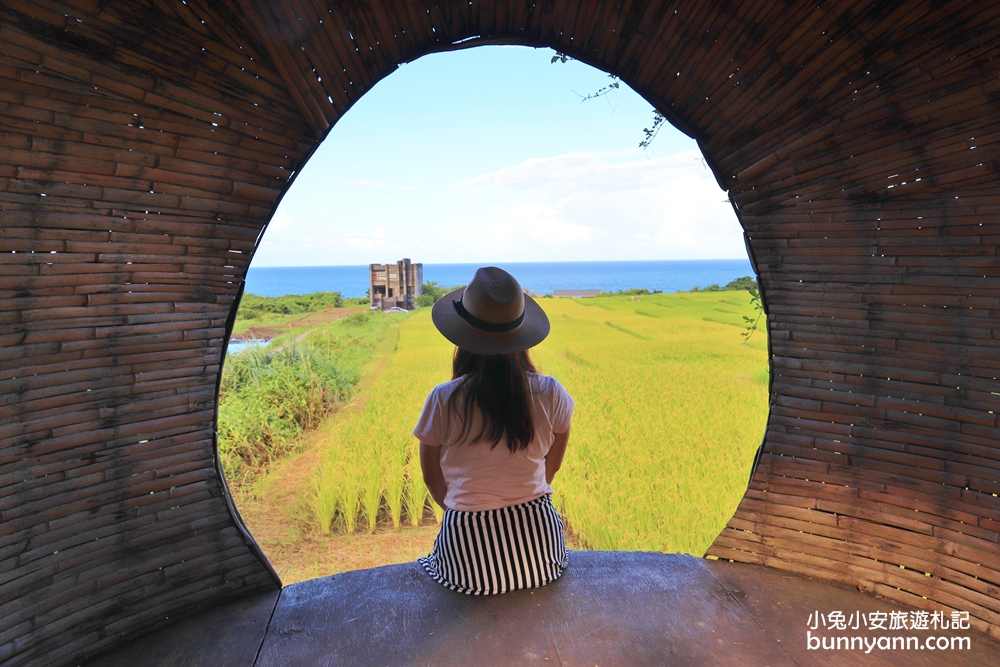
(743, 283)
(253, 306)
(746, 282)
(430, 292)
(359, 319)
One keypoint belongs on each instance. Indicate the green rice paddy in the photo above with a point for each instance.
(670, 408)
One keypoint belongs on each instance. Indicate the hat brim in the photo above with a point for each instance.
(532, 331)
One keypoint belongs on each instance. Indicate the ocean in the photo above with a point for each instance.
(540, 277)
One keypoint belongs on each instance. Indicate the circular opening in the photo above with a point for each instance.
(493, 156)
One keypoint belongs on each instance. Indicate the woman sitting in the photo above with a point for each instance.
(491, 441)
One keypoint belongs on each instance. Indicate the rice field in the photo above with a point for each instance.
(370, 466)
(670, 408)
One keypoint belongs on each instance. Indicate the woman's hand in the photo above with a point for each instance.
(430, 466)
(554, 459)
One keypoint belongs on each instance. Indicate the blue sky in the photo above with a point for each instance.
(489, 155)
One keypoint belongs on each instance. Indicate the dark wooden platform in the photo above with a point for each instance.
(610, 608)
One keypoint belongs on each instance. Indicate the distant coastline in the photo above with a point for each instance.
(539, 277)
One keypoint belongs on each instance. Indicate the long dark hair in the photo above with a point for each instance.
(495, 386)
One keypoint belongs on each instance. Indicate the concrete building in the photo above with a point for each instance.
(395, 285)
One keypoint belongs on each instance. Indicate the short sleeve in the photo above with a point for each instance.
(431, 428)
(562, 408)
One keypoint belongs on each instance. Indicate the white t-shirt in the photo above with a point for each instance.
(483, 478)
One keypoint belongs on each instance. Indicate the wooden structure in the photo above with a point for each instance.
(395, 285)
(144, 145)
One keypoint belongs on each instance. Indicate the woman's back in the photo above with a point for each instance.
(481, 476)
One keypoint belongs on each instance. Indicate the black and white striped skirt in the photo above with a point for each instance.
(501, 550)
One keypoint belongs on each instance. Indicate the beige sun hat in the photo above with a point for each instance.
(492, 315)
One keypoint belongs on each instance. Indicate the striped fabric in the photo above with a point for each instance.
(501, 550)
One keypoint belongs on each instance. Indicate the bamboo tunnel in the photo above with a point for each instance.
(144, 145)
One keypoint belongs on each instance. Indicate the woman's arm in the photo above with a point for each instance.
(430, 466)
(554, 459)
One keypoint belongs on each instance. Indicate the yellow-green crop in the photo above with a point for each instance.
(670, 408)
(370, 464)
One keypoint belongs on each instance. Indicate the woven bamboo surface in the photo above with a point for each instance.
(144, 145)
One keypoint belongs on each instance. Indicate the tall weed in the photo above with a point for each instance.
(270, 395)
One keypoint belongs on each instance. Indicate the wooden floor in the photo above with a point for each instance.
(610, 608)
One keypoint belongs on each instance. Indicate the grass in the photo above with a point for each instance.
(670, 408)
(270, 395)
(265, 317)
(371, 466)
(253, 306)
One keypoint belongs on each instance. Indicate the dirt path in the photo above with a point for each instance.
(277, 511)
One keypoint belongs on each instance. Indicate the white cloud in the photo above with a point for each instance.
(281, 220)
(366, 184)
(618, 172)
(621, 205)
(544, 222)
(576, 206)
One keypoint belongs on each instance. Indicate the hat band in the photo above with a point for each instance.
(483, 325)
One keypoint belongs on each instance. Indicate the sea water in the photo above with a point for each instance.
(540, 277)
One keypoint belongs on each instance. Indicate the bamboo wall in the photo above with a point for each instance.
(144, 145)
